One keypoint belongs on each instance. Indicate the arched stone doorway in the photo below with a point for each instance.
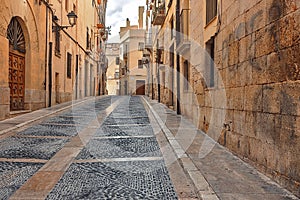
(17, 52)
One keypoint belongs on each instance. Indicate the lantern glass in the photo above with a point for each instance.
(72, 18)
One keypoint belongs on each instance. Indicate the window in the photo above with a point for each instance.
(57, 43)
(210, 48)
(125, 51)
(92, 40)
(211, 10)
(67, 5)
(141, 46)
(69, 65)
(123, 71)
(140, 64)
(88, 41)
(117, 60)
(116, 75)
(172, 27)
(186, 75)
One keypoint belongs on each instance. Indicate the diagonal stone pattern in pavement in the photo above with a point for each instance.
(115, 180)
(129, 179)
(121, 148)
(13, 175)
(102, 149)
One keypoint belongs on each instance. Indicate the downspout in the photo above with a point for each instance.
(76, 76)
(158, 72)
(46, 55)
(50, 73)
(178, 56)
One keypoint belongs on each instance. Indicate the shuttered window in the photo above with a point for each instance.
(57, 43)
(69, 65)
(211, 10)
(140, 64)
(186, 75)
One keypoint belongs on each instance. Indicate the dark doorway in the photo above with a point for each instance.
(140, 87)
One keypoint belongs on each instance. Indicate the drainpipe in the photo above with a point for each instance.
(178, 56)
(158, 75)
(76, 77)
(46, 54)
(50, 72)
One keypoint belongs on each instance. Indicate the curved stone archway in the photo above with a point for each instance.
(16, 76)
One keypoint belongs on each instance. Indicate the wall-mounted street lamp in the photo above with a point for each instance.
(72, 17)
(104, 32)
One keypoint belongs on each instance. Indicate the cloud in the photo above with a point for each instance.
(118, 11)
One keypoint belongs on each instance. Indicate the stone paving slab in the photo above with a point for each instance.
(70, 120)
(51, 130)
(128, 120)
(13, 175)
(135, 130)
(120, 148)
(115, 180)
(37, 148)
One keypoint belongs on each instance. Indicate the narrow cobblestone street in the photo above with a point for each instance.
(120, 147)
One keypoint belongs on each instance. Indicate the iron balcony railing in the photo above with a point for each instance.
(159, 15)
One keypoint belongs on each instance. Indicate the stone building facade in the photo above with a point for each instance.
(239, 76)
(22, 36)
(132, 70)
(112, 52)
(43, 63)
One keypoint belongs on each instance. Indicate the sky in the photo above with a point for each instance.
(118, 11)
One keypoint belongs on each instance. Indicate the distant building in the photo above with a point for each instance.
(112, 52)
(133, 72)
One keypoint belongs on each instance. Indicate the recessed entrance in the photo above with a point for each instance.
(16, 65)
(140, 87)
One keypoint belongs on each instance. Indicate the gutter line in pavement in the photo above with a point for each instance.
(203, 187)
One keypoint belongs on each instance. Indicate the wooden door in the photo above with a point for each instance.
(16, 81)
(140, 87)
(16, 75)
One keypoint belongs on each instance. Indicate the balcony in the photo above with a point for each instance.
(184, 43)
(159, 15)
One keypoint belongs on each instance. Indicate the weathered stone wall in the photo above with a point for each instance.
(31, 17)
(257, 54)
(4, 88)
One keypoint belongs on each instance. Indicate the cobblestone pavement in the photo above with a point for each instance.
(103, 149)
(125, 147)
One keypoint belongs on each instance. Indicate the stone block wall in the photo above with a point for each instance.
(257, 63)
(4, 88)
